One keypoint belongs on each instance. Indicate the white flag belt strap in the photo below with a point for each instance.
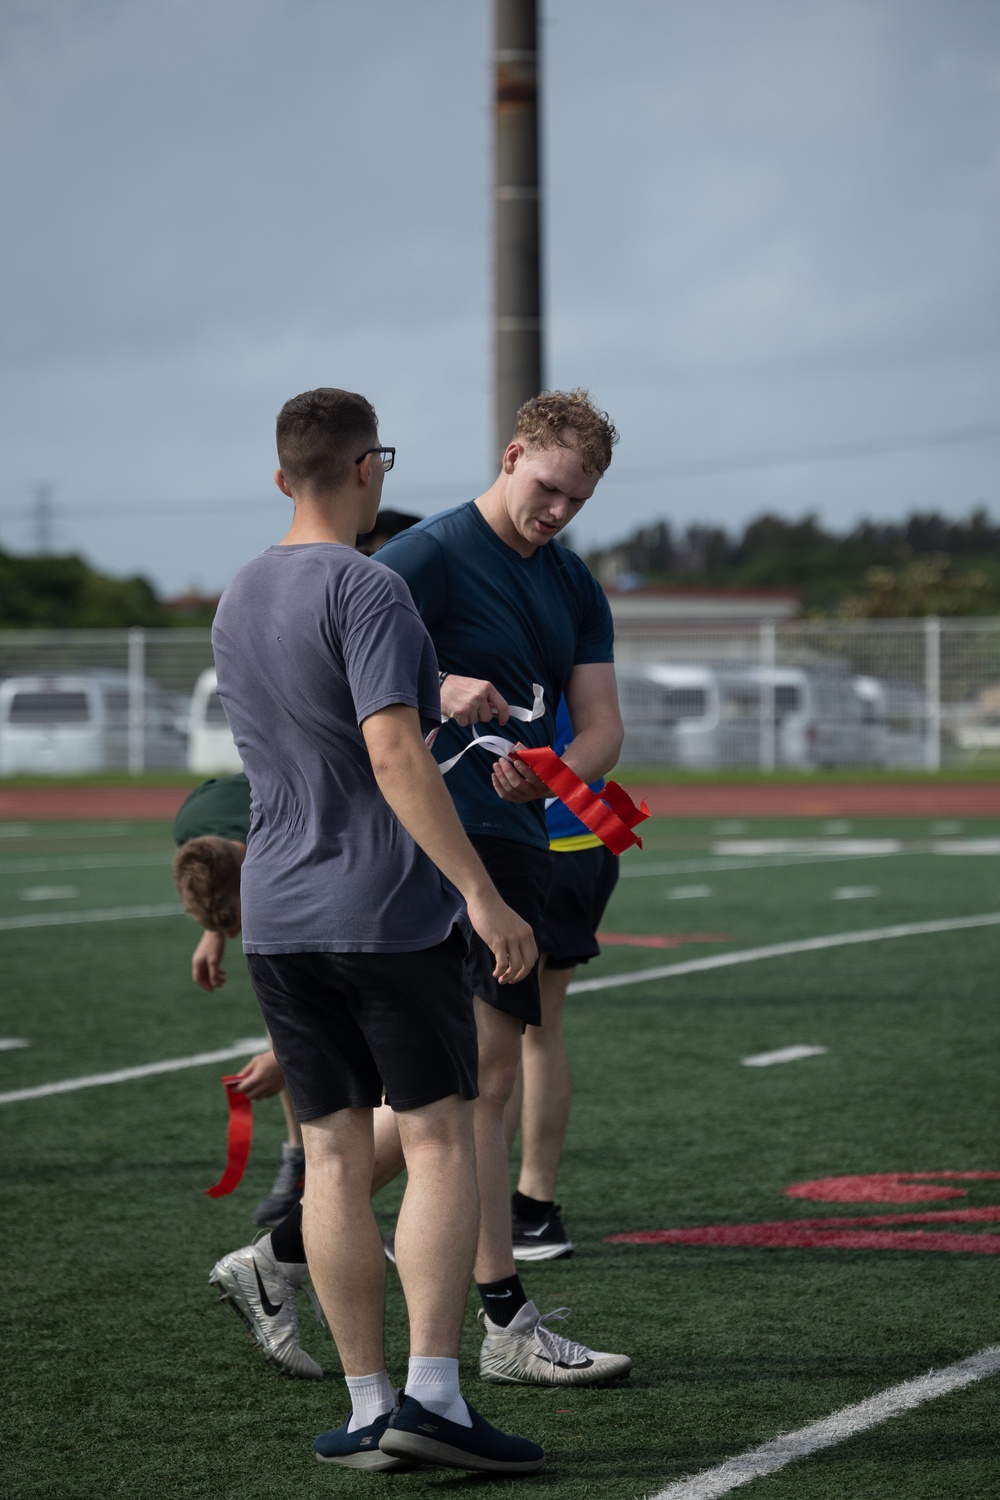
(492, 742)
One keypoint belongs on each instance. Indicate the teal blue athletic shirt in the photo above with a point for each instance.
(512, 620)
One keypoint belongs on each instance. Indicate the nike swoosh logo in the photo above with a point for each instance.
(493, 1296)
(265, 1301)
(534, 1233)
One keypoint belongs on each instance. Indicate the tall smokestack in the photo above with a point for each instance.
(517, 240)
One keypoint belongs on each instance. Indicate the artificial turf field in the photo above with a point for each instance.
(124, 1376)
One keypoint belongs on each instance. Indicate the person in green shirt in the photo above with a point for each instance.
(211, 831)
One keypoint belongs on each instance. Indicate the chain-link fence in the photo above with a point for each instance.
(881, 694)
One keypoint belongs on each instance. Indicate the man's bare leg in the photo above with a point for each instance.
(293, 1130)
(499, 1053)
(436, 1230)
(389, 1160)
(546, 1090)
(342, 1241)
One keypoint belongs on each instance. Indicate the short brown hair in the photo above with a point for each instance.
(320, 434)
(542, 421)
(206, 873)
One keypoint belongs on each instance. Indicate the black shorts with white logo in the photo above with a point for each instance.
(582, 882)
(347, 1026)
(521, 873)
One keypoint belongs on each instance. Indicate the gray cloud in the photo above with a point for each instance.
(768, 227)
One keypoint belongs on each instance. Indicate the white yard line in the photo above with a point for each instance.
(637, 866)
(783, 1055)
(109, 914)
(39, 863)
(781, 950)
(124, 1075)
(11, 1043)
(843, 1424)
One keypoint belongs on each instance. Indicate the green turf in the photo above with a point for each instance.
(123, 1375)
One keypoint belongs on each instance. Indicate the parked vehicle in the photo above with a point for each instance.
(723, 717)
(894, 722)
(671, 715)
(77, 722)
(211, 747)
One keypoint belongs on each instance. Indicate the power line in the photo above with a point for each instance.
(689, 469)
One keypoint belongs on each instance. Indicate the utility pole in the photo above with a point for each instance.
(516, 231)
(43, 519)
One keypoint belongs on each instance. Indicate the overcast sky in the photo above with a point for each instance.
(772, 227)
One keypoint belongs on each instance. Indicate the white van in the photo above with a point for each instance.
(816, 717)
(76, 722)
(705, 718)
(894, 718)
(671, 716)
(211, 746)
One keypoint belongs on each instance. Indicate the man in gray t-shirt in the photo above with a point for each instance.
(353, 887)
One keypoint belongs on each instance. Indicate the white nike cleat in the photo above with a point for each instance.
(528, 1353)
(261, 1291)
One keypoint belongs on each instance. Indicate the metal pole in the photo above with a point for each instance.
(932, 691)
(136, 701)
(516, 232)
(768, 661)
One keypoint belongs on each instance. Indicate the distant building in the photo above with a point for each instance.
(697, 605)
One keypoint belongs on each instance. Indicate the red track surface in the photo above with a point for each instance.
(971, 799)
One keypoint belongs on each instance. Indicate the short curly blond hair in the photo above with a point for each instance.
(206, 873)
(542, 421)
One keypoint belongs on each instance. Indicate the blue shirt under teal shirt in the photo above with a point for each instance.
(512, 620)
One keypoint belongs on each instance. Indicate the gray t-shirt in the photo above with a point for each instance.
(309, 640)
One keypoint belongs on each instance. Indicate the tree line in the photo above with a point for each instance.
(925, 564)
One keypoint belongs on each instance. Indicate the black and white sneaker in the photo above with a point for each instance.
(545, 1240)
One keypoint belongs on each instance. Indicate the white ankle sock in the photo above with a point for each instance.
(433, 1382)
(371, 1396)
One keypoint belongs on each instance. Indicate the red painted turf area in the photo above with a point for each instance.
(974, 799)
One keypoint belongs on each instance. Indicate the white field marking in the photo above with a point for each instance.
(808, 846)
(43, 864)
(9, 1043)
(854, 892)
(780, 950)
(110, 914)
(636, 865)
(125, 1075)
(688, 892)
(783, 1055)
(63, 831)
(49, 893)
(966, 846)
(947, 826)
(843, 1424)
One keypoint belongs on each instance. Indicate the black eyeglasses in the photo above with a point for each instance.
(387, 455)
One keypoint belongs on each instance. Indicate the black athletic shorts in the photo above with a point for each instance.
(582, 882)
(521, 873)
(347, 1026)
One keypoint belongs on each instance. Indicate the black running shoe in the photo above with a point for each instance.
(286, 1190)
(545, 1240)
(420, 1435)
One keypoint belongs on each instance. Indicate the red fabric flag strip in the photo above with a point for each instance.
(238, 1143)
(610, 814)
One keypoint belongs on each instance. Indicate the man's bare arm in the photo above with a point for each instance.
(409, 780)
(472, 700)
(206, 961)
(592, 700)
